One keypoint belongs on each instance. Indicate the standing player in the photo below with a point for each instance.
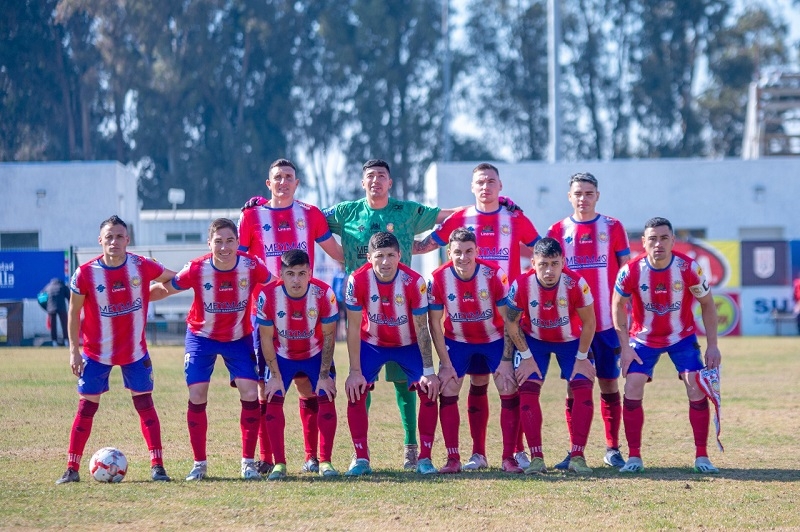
(219, 323)
(468, 295)
(267, 231)
(661, 284)
(113, 290)
(596, 247)
(553, 307)
(297, 323)
(388, 300)
(499, 234)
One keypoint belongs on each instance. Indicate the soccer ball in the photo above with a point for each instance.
(108, 465)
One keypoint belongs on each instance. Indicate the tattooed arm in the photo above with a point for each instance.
(429, 381)
(325, 383)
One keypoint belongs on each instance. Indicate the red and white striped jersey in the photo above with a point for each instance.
(387, 309)
(297, 322)
(550, 314)
(661, 300)
(470, 306)
(498, 235)
(268, 232)
(115, 308)
(220, 310)
(592, 249)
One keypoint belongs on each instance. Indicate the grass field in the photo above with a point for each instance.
(758, 486)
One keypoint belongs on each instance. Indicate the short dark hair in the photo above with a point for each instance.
(376, 163)
(112, 221)
(657, 222)
(462, 234)
(383, 239)
(583, 177)
(547, 247)
(222, 223)
(295, 257)
(486, 166)
(283, 162)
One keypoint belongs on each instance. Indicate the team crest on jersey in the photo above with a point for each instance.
(390, 227)
(312, 313)
(483, 294)
(399, 299)
(586, 238)
(660, 289)
(283, 225)
(301, 224)
(297, 315)
(117, 286)
(225, 286)
(136, 281)
(562, 302)
(505, 229)
(243, 283)
(677, 286)
(603, 236)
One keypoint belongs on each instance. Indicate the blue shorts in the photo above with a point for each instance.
(468, 357)
(299, 368)
(137, 376)
(565, 356)
(606, 350)
(408, 357)
(263, 372)
(685, 356)
(201, 355)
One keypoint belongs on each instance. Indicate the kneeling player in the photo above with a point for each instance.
(297, 324)
(388, 300)
(559, 318)
(219, 323)
(470, 295)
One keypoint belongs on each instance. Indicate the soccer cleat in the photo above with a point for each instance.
(425, 467)
(563, 465)
(311, 465)
(326, 470)
(278, 472)
(250, 471)
(263, 467)
(159, 474)
(613, 458)
(358, 468)
(522, 459)
(70, 475)
(475, 462)
(577, 464)
(198, 471)
(633, 465)
(510, 465)
(703, 465)
(537, 466)
(453, 465)
(410, 454)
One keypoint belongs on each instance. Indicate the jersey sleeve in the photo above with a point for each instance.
(528, 233)
(500, 286)
(245, 229)
(420, 297)
(321, 231)
(424, 217)
(351, 294)
(583, 294)
(623, 283)
(619, 239)
(330, 310)
(513, 294)
(263, 308)
(183, 279)
(76, 283)
(333, 216)
(441, 235)
(696, 279)
(435, 302)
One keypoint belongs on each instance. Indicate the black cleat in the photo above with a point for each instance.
(159, 474)
(70, 475)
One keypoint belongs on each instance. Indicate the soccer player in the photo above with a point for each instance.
(297, 323)
(466, 300)
(113, 291)
(389, 300)
(267, 229)
(660, 284)
(499, 234)
(596, 247)
(553, 307)
(219, 323)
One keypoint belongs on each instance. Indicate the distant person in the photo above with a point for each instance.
(219, 323)
(660, 285)
(113, 293)
(796, 296)
(56, 307)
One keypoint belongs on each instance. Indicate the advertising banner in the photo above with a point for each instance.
(24, 273)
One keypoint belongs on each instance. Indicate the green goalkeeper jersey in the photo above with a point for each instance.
(355, 222)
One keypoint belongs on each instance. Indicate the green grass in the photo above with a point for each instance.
(757, 488)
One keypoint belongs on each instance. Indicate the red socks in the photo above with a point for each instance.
(276, 424)
(633, 417)
(478, 416)
(265, 450)
(81, 430)
(531, 416)
(582, 412)
(426, 423)
(509, 423)
(309, 407)
(151, 427)
(197, 421)
(451, 421)
(699, 416)
(358, 422)
(248, 422)
(327, 420)
(611, 412)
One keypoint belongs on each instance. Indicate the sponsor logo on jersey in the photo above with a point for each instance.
(294, 334)
(661, 309)
(460, 317)
(283, 225)
(578, 262)
(225, 286)
(550, 324)
(120, 309)
(487, 230)
(225, 307)
(117, 286)
(585, 238)
(660, 289)
(496, 254)
(467, 296)
(548, 305)
(391, 321)
(297, 315)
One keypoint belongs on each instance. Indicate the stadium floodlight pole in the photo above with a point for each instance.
(553, 81)
(447, 141)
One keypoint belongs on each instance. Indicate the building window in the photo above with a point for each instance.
(19, 240)
(179, 238)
